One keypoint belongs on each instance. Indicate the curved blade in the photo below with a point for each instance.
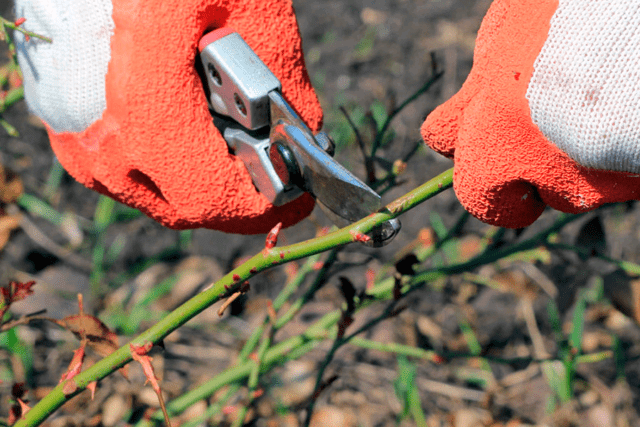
(334, 186)
(337, 189)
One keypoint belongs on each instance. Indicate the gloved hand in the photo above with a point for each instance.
(127, 114)
(549, 114)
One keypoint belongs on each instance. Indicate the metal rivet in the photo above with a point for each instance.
(240, 104)
(215, 75)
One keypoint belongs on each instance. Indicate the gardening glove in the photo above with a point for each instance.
(127, 114)
(550, 113)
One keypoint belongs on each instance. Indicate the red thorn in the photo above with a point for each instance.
(139, 354)
(323, 231)
(253, 270)
(19, 21)
(92, 386)
(359, 237)
(27, 37)
(141, 350)
(281, 255)
(24, 408)
(236, 277)
(75, 366)
(318, 265)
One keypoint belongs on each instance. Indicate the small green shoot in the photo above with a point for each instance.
(407, 393)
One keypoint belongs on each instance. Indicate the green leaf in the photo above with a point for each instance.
(103, 216)
(404, 383)
(575, 339)
(379, 113)
(12, 342)
(438, 225)
(472, 341)
(554, 319)
(556, 374)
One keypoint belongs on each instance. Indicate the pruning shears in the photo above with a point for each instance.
(282, 155)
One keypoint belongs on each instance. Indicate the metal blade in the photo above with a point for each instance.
(334, 186)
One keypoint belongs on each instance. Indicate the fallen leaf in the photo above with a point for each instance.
(10, 186)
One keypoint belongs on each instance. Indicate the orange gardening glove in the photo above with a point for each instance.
(550, 114)
(127, 114)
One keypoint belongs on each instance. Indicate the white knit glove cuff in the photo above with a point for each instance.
(584, 94)
(64, 81)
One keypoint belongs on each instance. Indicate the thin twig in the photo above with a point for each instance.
(8, 24)
(368, 163)
(383, 130)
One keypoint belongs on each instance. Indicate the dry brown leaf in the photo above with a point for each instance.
(99, 337)
(14, 291)
(10, 186)
(7, 224)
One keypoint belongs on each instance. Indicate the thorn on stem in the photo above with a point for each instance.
(359, 237)
(323, 231)
(75, 366)
(92, 387)
(139, 353)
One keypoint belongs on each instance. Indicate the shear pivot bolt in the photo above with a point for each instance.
(285, 165)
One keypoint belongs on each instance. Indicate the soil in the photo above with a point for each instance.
(359, 53)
